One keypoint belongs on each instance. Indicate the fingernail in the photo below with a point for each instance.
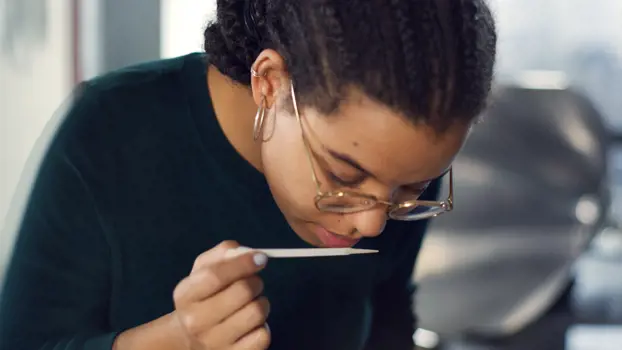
(260, 259)
(267, 327)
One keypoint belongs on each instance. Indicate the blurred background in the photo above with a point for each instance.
(532, 256)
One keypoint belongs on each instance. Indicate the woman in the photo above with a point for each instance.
(307, 123)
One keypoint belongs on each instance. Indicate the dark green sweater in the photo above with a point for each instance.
(138, 181)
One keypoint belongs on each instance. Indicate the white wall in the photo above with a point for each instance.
(557, 35)
(183, 22)
(35, 77)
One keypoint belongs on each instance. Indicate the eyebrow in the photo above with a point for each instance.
(353, 163)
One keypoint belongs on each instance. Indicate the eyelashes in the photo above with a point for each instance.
(343, 182)
(354, 183)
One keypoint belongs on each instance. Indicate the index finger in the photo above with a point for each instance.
(214, 255)
(212, 279)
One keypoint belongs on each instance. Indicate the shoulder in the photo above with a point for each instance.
(142, 82)
(122, 107)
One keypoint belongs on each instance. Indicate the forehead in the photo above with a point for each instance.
(385, 142)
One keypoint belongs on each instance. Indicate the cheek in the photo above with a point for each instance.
(287, 170)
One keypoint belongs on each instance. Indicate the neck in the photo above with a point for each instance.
(235, 111)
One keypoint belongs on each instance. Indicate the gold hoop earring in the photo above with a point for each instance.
(259, 118)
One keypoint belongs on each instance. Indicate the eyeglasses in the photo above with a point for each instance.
(346, 202)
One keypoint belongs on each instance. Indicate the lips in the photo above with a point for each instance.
(333, 240)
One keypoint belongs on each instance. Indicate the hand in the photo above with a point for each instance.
(219, 306)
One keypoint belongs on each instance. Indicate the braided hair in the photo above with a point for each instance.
(430, 60)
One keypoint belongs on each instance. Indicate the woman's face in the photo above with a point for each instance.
(364, 147)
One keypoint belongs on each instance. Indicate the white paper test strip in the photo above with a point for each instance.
(301, 252)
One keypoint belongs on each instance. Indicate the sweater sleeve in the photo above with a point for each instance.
(57, 287)
(394, 321)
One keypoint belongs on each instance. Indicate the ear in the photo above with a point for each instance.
(273, 77)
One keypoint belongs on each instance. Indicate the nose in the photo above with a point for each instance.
(370, 223)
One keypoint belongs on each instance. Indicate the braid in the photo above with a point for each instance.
(446, 51)
(474, 47)
(331, 42)
(469, 53)
(288, 36)
(430, 60)
(411, 49)
(230, 35)
(426, 54)
(433, 38)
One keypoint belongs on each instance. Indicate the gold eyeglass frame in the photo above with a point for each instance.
(444, 206)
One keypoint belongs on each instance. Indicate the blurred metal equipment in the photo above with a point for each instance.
(597, 292)
(425, 339)
(531, 191)
(590, 337)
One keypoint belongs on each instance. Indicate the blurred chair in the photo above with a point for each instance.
(531, 190)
